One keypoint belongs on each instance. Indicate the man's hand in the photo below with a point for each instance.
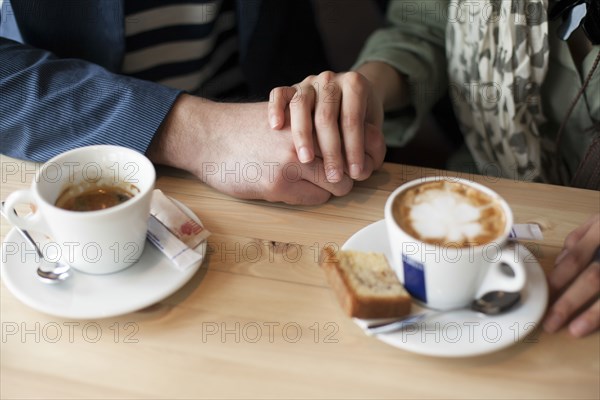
(342, 113)
(232, 148)
(576, 282)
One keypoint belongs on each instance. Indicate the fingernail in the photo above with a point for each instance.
(355, 170)
(553, 323)
(333, 175)
(579, 327)
(560, 256)
(304, 154)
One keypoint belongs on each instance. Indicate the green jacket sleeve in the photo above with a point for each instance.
(413, 43)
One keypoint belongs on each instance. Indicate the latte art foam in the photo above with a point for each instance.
(449, 213)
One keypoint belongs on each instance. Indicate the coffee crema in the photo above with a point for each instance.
(448, 213)
(92, 199)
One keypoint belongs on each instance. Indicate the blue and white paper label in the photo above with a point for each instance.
(414, 278)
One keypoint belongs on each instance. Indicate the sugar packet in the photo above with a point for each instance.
(174, 233)
(186, 229)
(526, 232)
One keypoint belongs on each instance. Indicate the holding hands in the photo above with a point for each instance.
(232, 148)
(336, 117)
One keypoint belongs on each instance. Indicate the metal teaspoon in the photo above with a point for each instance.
(47, 271)
(491, 303)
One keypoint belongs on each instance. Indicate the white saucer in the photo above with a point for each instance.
(461, 333)
(85, 296)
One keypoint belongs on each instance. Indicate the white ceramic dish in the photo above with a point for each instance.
(461, 333)
(84, 296)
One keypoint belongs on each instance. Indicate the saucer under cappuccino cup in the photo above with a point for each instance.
(112, 235)
(448, 238)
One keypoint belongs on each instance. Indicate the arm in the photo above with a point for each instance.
(232, 148)
(400, 66)
(414, 46)
(49, 104)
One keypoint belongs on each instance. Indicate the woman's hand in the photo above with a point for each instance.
(575, 282)
(342, 113)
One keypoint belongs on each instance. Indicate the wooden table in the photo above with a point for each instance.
(260, 321)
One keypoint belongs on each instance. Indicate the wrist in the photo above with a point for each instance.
(177, 140)
(389, 84)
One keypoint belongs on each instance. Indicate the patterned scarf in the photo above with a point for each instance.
(498, 58)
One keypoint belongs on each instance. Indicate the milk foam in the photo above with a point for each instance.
(445, 214)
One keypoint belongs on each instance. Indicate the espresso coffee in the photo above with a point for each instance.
(93, 198)
(449, 213)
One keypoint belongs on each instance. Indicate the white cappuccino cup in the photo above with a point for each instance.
(448, 237)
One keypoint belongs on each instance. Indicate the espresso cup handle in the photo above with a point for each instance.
(33, 221)
(496, 279)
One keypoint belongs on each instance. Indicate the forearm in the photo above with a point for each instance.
(413, 46)
(50, 105)
(177, 135)
(196, 130)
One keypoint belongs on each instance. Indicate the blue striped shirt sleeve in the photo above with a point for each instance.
(49, 105)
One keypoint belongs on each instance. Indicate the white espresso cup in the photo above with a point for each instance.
(100, 241)
(439, 254)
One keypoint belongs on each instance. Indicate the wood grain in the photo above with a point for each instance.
(260, 321)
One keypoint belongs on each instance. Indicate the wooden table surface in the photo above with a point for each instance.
(259, 320)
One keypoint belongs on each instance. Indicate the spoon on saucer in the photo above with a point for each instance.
(491, 303)
(47, 271)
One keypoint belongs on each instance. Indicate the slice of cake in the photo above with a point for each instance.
(365, 284)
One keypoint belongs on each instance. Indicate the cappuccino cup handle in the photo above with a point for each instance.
(33, 221)
(497, 279)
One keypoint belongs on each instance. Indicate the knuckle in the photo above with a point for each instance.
(300, 100)
(354, 77)
(304, 96)
(352, 121)
(296, 99)
(327, 76)
(309, 80)
(300, 134)
(356, 81)
(330, 158)
(326, 116)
